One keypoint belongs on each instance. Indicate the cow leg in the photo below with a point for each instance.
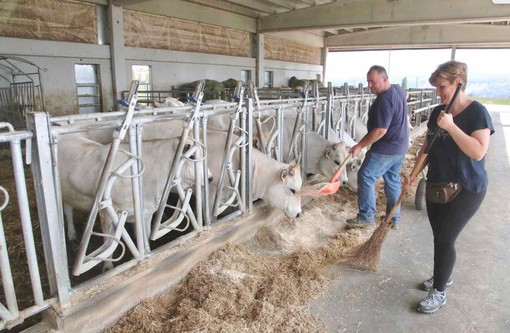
(68, 213)
(107, 228)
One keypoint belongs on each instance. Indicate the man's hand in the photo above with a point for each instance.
(356, 150)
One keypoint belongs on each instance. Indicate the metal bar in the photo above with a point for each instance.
(5, 268)
(248, 176)
(206, 208)
(141, 236)
(199, 178)
(51, 230)
(118, 136)
(178, 154)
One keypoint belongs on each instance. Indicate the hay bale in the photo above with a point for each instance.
(212, 89)
(294, 82)
(229, 84)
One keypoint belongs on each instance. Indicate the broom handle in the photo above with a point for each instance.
(418, 166)
(422, 160)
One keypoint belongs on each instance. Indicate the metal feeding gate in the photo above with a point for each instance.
(51, 286)
(21, 90)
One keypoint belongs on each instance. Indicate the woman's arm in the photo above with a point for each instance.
(419, 165)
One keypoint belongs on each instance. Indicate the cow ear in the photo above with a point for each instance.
(283, 174)
(327, 153)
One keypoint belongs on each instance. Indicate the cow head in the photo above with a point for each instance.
(291, 177)
(352, 170)
(331, 160)
(290, 183)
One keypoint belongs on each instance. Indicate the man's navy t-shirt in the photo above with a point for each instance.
(389, 110)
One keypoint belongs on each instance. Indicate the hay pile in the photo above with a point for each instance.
(263, 284)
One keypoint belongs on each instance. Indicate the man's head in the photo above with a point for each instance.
(377, 79)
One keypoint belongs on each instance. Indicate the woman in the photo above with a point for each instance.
(456, 156)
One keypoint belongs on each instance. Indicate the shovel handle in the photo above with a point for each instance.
(339, 170)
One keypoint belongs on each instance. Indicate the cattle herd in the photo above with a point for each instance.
(276, 175)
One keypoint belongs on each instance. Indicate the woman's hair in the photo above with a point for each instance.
(450, 71)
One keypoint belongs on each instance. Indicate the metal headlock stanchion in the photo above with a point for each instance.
(253, 93)
(299, 127)
(84, 261)
(184, 209)
(230, 148)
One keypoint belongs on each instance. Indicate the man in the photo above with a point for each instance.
(388, 138)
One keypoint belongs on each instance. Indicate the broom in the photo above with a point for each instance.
(366, 256)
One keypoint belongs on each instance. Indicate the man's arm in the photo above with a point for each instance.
(367, 140)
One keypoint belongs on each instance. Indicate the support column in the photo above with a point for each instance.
(260, 62)
(454, 49)
(324, 61)
(117, 50)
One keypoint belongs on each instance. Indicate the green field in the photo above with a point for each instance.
(489, 100)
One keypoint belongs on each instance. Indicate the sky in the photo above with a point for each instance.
(416, 65)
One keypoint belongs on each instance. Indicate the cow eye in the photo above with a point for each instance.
(337, 162)
(293, 191)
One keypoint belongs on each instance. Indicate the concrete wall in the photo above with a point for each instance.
(172, 68)
(59, 58)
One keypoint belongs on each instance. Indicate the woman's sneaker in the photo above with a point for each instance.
(429, 284)
(433, 302)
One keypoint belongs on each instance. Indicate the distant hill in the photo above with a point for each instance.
(479, 85)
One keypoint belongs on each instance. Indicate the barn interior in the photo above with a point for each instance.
(77, 66)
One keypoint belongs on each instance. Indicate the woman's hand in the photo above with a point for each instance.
(408, 182)
(445, 121)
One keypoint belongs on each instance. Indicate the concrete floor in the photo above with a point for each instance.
(478, 301)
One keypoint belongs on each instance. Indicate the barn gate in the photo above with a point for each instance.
(21, 89)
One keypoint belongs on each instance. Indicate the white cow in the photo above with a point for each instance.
(273, 181)
(169, 101)
(81, 160)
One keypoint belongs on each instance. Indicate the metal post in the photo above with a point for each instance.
(52, 231)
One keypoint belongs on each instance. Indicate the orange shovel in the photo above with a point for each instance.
(329, 188)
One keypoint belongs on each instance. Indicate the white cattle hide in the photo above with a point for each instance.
(81, 160)
(169, 101)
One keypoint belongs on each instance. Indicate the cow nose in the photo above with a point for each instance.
(298, 215)
(344, 183)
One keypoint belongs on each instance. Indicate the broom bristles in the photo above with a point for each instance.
(366, 256)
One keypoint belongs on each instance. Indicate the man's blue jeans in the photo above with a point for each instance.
(374, 167)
